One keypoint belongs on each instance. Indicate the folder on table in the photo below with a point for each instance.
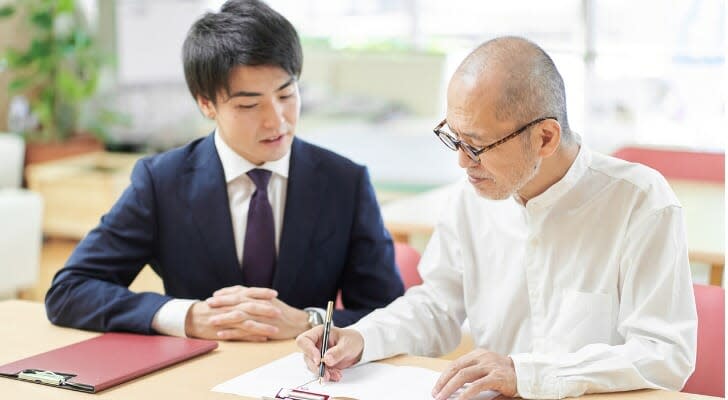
(104, 361)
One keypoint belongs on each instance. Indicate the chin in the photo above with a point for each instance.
(488, 190)
(491, 195)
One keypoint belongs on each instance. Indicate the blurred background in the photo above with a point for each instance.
(645, 81)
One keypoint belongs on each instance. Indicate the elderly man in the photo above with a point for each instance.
(571, 266)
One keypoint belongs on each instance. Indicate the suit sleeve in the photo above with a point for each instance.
(371, 279)
(91, 291)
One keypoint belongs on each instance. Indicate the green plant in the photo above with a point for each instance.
(58, 70)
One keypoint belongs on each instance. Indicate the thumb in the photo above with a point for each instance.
(344, 354)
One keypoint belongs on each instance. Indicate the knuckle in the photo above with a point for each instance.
(461, 375)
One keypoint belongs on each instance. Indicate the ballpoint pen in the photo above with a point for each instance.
(325, 340)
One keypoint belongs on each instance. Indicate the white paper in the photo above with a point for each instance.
(373, 381)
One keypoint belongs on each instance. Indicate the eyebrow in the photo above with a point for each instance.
(243, 93)
(468, 135)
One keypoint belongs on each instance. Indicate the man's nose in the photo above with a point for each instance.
(273, 116)
(464, 160)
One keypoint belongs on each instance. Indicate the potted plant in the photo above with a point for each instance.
(54, 79)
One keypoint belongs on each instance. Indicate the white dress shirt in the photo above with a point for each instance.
(170, 319)
(587, 288)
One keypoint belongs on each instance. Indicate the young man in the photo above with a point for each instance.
(571, 266)
(247, 227)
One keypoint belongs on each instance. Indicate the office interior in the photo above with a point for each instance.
(645, 81)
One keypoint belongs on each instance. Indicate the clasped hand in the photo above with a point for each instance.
(245, 313)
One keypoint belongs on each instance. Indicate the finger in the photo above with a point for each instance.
(259, 328)
(335, 374)
(229, 318)
(248, 327)
(226, 300)
(260, 309)
(260, 293)
(236, 334)
(481, 385)
(463, 376)
(339, 354)
(312, 366)
(327, 375)
(228, 290)
(452, 369)
(309, 343)
(240, 294)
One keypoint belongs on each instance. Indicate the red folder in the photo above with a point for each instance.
(105, 361)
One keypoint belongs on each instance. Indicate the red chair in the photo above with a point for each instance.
(709, 376)
(678, 164)
(685, 165)
(406, 258)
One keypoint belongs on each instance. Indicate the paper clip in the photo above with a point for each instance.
(39, 376)
(52, 378)
(298, 394)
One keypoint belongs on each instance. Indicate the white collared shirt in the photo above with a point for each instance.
(170, 319)
(240, 189)
(587, 287)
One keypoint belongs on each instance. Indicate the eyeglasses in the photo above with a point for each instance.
(474, 153)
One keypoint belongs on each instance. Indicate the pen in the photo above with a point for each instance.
(325, 341)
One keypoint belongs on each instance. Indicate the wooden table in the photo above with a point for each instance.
(703, 203)
(25, 332)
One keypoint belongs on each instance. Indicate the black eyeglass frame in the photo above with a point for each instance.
(474, 153)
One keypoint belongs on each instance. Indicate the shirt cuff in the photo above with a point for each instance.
(533, 382)
(373, 349)
(170, 318)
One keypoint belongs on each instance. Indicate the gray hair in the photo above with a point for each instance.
(532, 86)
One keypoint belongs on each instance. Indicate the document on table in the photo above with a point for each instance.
(373, 381)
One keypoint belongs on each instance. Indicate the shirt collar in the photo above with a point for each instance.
(560, 188)
(234, 165)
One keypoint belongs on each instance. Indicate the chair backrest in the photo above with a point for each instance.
(407, 259)
(709, 376)
(12, 155)
(678, 164)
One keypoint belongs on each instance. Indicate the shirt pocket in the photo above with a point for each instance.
(583, 318)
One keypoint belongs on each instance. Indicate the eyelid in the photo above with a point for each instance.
(246, 106)
(462, 139)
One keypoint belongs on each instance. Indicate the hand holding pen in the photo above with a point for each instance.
(327, 357)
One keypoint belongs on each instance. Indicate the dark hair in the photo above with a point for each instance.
(244, 32)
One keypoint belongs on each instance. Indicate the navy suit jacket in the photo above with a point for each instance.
(175, 216)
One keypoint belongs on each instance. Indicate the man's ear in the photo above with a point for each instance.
(549, 137)
(207, 107)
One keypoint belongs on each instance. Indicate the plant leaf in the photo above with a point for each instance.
(70, 86)
(18, 84)
(42, 19)
(7, 11)
(65, 6)
(40, 49)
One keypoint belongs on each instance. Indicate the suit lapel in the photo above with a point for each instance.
(204, 190)
(303, 205)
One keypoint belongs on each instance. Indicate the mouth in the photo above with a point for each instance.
(273, 140)
(477, 179)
